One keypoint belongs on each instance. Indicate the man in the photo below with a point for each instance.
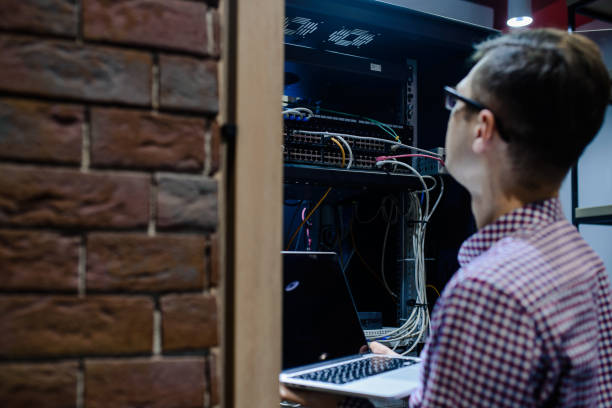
(527, 320)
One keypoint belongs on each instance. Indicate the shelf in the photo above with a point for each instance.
(310, 182)
(594, 215)
(332, 176)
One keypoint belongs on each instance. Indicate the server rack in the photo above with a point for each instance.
(376, 71)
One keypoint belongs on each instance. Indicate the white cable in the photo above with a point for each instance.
(301, 112)
(416, 326)
(416, 173)
(375, 139)
(435, 184)
(293, 111)
(348, 148)
(308, 111)
(438, 200)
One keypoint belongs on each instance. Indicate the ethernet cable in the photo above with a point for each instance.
(374, 139)
(416, 173)
(416, 326)
(348, 149)
(301, 112)
(399, 156)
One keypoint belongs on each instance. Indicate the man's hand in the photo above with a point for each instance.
(310, 399)
(314, 399)
(378, 348)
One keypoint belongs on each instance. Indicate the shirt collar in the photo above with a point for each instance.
(521, 219)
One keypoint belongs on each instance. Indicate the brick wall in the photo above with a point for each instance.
(109, 157)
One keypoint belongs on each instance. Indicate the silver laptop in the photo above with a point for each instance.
(324, 347)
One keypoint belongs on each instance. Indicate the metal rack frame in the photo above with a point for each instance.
(601, 215)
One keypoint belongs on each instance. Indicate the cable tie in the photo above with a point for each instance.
(413, 303)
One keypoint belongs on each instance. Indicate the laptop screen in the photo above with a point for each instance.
(320, 321)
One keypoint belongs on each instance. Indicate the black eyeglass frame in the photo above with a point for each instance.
(476, 105)
(453, 92)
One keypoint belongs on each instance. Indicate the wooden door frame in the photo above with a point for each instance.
(252, 86)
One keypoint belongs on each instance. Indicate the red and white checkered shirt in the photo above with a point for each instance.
(525, 322)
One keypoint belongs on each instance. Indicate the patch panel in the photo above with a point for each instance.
(303, 147)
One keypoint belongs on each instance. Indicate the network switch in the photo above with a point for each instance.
(311, 141)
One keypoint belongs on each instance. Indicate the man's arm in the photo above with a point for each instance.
(483, 351)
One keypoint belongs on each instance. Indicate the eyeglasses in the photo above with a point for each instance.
(451, 96)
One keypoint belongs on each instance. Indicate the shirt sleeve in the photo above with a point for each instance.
(482, 351)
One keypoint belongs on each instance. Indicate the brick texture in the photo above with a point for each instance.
(38, 261)
(169, 383)
(110, 153)
(215, 49)
(51, 385)
(174, 24)
(189, 322)
(215, 382)
(188, 84)
(34, 326)
(134, 262)
(215, 147)
(67, 198)
(68, 70)
(49, 16)
(186, 203)
(214, 260)
(42, 132)
(136, 139)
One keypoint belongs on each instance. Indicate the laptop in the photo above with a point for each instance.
(324, 347)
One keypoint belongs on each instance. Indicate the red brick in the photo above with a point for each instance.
(136, 139)
(216, 43)
(214, 260)
(215, 375)
(188, 83)
(69, 70)
(189, 203)
(69, 326)
(169, 383)
(215, 147)
(189, 322)
(69, 198)
(174, 24)
(43, 132)
(133, 262)
(48, 385)
(33, 260)
(49, 16)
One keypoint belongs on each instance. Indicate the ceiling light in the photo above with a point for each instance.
(519, 13)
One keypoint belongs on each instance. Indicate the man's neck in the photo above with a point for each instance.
(489, 207)
(487, 210)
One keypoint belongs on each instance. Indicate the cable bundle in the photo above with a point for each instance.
(416, 326)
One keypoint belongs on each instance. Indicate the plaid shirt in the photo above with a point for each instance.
(525, 322)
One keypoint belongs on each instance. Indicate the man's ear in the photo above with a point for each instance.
(483, 131)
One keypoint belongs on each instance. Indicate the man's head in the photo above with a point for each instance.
(545, 92)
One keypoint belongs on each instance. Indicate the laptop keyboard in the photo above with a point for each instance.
(356, 370)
